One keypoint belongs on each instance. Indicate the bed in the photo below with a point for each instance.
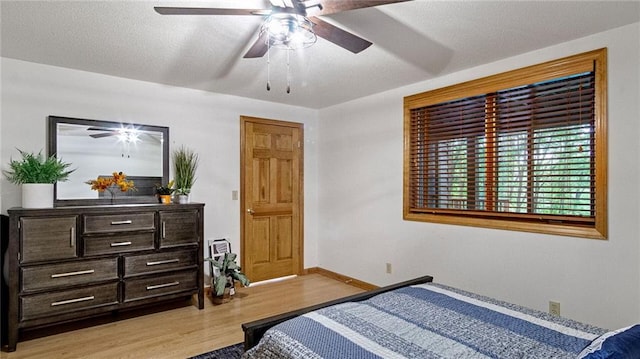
(421, 319)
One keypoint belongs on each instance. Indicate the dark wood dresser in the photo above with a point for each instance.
(70, 263)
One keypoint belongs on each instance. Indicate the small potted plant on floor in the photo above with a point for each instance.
(164, 192)
(185, 164)
(224, 281)
(37, 174)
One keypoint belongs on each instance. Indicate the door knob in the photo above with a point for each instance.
(250, 211)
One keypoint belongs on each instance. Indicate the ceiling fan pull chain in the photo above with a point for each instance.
(288, 73)
(268, 62)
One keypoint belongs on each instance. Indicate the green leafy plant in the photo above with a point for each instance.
(38, 168)
(229, 271)
(165, 190)
(185, 164)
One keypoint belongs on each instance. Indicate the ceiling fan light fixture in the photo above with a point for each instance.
(128, 135)
(288, 31)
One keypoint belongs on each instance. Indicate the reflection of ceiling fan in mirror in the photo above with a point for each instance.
(293, 23)
(125, 134)
(106, 132)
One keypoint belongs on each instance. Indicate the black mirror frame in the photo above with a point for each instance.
(52, 127)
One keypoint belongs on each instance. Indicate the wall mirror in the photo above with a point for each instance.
(99, 148)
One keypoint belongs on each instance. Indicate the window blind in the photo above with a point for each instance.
(524, 152)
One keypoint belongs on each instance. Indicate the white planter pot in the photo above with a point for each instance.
(37, 195)
(183, 199)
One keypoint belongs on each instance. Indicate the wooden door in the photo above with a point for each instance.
(271, 198)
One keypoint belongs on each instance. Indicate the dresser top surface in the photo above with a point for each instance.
(124, 208)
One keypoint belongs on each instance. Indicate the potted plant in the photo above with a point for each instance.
(164, 192)
(224, 283)
(185, 164)
(36, 174)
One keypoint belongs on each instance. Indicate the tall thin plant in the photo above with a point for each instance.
(185, 162)
(37, 168)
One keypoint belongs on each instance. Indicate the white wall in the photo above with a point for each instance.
(361, 226)
(208, 123)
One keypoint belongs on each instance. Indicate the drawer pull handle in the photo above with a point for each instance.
(69, 274)
(176, 260)
(116, 223)
(164, 230)
(71, 301)
(72, 237)
(120, 244)
(158, 286)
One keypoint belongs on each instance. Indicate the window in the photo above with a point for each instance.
(523, 150)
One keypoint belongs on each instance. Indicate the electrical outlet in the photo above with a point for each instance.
(554, 308)
(234, 195)
(388, 268)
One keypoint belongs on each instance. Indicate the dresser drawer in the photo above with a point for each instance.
(67, 274)
(107, 223)
(158, 262)
(147, 287)
(47, 238)
(179, 228)
(49, 304)
(118, 244)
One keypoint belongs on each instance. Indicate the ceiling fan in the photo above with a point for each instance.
(126, 134)
(287, 14)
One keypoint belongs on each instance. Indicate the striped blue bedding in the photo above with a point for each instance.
(425, 321)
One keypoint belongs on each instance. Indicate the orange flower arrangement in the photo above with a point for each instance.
(118, 179)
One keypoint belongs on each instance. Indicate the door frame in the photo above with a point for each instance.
(243, 121)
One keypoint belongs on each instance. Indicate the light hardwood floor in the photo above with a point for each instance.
(185, 331)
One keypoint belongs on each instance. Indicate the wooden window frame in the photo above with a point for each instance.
(589, 61)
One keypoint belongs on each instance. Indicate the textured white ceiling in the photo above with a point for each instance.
(413, 41)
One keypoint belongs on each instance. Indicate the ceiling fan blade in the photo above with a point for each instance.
(335, 6)
(338, 36)
(100, 135)
(208, 11)
(258, 49)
